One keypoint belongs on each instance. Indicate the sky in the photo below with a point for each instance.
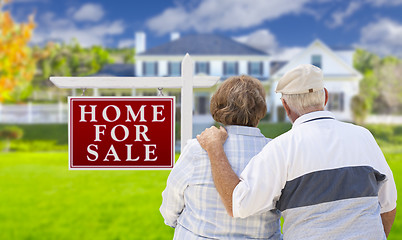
(279, 27)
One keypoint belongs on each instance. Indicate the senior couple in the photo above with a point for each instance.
(327, 178)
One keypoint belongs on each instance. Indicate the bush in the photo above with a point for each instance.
(381, 131)
(11, 133)
(36, 146)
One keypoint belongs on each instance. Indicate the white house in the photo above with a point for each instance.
(214, 55)
(340, 78)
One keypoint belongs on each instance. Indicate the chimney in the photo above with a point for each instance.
(140, 42)
(174, 36)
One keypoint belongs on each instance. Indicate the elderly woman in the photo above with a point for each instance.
(191, 203)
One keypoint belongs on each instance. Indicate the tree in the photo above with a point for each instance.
(16, 59)
(10, 133)
(390, 86)
(68, 60)
(359, 109)
(380, 90)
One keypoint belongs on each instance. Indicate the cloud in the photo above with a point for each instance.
(261, 39)
(212, 15)
(382, 37)
(287, 54)
(63, 29)
(380, 3)
(126, 43)
(339, 16)
(89, 12)
(264, 40)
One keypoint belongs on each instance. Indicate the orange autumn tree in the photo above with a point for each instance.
(17, 65)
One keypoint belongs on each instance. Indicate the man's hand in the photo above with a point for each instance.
(212, 137)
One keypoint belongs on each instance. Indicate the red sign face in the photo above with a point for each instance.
(121, 132)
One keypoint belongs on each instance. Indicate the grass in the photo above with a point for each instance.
(42, 199)
(395, 163)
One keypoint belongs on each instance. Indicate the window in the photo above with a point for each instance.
(201, 105)
(255, 68)
(150, 69)
(316, 60)
(202, 67)
(230, 68)
(335, 102)
(174, 69)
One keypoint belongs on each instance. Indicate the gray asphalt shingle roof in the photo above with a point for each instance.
(203, 44)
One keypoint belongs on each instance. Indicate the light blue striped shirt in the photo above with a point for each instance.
(192, 205)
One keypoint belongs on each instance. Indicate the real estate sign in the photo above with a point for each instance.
(121, 132)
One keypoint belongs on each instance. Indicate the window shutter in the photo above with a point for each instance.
(249, 68)
(236, 68)
(329, 104)
(261, 68)
(207, 69)
(143, 69)
(197, 68)
(169, 68)
(179, 68)
(224, 69)
(341, 100)
(156, 68)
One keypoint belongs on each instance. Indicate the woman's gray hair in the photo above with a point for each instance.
(305, 102)
(240, 100)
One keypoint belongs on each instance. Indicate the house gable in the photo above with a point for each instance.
(332, 65)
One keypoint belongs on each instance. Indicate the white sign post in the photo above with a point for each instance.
(187, 81)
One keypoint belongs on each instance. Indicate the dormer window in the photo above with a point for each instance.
(230, 68)
(316, 60)
(202, 68)
(255, 68)
(150, 69)
(174, 69)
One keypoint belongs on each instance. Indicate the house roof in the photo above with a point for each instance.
(276, 66)
(203, 44)
(117, 69)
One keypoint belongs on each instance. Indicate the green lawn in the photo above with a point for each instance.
(41, 199)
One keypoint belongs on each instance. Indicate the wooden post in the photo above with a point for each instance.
(29, 106)
(187, 73)
(60, 112)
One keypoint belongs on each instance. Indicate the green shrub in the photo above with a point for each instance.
(37, 146)
(11, 133)
(381, 131)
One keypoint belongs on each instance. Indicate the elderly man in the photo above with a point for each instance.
(329, 178)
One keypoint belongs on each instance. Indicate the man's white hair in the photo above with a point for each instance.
(305, 102)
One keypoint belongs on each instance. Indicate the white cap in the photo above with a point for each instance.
(304, 78)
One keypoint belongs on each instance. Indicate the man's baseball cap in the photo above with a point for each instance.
(304, 78)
